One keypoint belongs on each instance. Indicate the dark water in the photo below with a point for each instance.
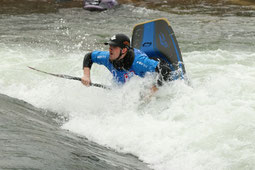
(211, 7)
(31, 138)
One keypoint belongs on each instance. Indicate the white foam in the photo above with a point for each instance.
(209, 125)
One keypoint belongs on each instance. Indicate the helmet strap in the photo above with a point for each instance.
(119, 55)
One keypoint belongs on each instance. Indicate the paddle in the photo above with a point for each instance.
(70, 78)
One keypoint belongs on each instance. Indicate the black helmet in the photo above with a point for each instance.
(119, 40)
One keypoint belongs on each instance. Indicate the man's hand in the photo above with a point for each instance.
(154, 89)
(86, 78)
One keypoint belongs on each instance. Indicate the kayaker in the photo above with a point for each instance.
(124, 62)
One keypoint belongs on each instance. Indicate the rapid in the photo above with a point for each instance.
(207, 124)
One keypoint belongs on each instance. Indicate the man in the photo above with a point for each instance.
(124, 62)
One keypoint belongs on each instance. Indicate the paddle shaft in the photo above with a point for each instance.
(70, 78)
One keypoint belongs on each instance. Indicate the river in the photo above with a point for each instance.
(52, 123)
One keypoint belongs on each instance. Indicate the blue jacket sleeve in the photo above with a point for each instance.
(143, 64)
(100, 57)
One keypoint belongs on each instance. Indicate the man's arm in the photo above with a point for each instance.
(87, 63)
(164, 73)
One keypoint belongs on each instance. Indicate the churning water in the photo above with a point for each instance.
(209, 124)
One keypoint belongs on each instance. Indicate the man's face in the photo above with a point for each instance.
(114, 52)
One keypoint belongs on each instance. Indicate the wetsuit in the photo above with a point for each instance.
(135, 62)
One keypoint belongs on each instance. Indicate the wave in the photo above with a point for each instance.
(31, 138)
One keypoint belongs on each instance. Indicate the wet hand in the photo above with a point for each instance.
(86, 81)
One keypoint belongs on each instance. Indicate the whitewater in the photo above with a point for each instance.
(206, 124)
